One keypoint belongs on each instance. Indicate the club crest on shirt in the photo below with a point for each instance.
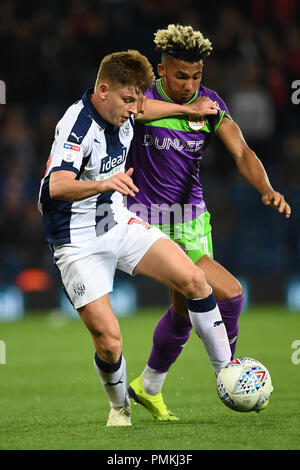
(79, 288)
(69, 156)
(196, 125)
(126, 129)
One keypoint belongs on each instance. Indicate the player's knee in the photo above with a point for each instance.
(194, 284)
(108, 345)
(109, 349)
(233, 290)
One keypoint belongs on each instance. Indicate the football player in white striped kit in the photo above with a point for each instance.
(90, 231)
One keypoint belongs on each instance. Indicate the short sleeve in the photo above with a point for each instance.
(71, 143)
(223, 111)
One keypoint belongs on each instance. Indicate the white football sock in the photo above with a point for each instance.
(114, 380)
(209, 326)
(153, 380)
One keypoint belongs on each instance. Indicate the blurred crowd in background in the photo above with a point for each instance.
(49, 55)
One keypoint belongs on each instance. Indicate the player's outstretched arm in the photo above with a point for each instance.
(150, 110)
(250, 166)
(64, 186)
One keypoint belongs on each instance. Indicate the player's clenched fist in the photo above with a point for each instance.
(121, 182)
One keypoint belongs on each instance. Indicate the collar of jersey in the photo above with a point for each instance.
(92, 110)
(163, 94)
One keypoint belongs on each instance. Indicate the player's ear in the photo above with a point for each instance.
(103, 90)
(161, 70)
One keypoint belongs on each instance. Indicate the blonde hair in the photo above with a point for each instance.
(183, 43)
(127, 68)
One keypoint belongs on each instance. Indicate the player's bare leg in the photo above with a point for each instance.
(167, 263)
(224, 284)
(109, 362)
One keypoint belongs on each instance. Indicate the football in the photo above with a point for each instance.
(244, 384)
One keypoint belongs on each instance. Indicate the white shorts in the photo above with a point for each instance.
(88, 268)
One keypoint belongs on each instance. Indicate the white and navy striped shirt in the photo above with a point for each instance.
(93, 149)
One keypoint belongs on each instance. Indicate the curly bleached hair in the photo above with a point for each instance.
(126, 68)
(183, 43)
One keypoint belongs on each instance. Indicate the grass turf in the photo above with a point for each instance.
(51, 398)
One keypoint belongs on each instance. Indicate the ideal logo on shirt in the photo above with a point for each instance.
(112, 163)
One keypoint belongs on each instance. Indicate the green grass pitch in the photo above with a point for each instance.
(51, 397)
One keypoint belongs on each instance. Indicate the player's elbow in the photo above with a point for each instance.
(56, 191)
(53, 191)
(57, 186)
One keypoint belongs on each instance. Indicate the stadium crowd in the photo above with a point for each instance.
(49, 55)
